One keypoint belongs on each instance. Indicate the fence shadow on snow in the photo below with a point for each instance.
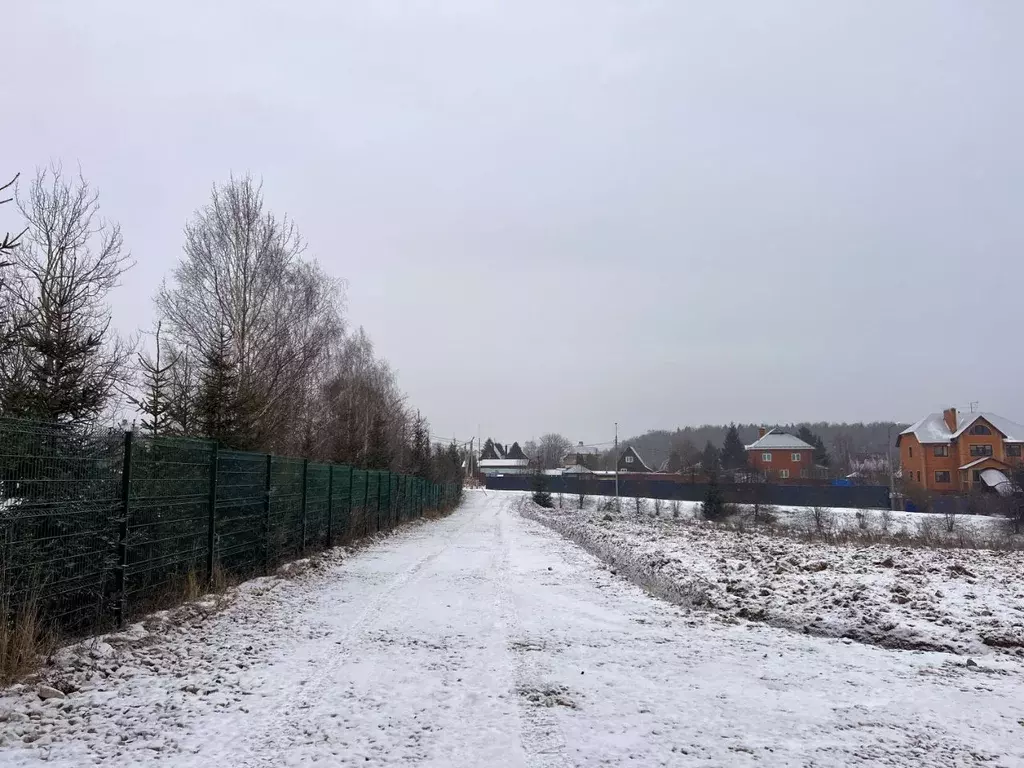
(96, 527)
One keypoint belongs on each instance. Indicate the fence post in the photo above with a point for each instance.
(378, 500)
(330, 506)
(122, 529)
(266, 513)
(211, 525)
(305, 481)
(348, 512)
(366, 500)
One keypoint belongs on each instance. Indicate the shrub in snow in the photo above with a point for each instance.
(824, 520)
(641, 505)
(714, 507)
(541, 495)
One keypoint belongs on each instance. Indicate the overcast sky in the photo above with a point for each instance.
(656, 213)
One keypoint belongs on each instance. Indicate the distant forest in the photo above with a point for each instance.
(845, 443)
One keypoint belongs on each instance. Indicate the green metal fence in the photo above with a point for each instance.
(97, 527)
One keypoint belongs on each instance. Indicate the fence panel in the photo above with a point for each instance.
(317, 476)
(95, 525)
(240, 511)
(285, 509)
(60, 506)
(168, 515)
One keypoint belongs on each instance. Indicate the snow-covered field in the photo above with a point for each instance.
(838, 519)
(487, 639)
(893, 593)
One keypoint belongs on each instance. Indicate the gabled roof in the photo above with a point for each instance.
(515, 452)
(585, 450)
(630, 450)
(983, 459)
(577, 469)
(776, 439)
(1012, 432)
(933, 428)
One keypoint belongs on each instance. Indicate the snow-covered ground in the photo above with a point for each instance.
(486, 639)
(892, 593)
(838, 519)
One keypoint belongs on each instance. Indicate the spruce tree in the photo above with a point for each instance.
(734, 455)
(218, 405)
(541, 494)
(154, 400)
(820, 453)
(183, 391)
(420, 449)
(709, 458)
(713, 507)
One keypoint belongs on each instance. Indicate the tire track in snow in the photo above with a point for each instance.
(540, 733)
(279, 732)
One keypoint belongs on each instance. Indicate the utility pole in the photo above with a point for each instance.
(616, 454)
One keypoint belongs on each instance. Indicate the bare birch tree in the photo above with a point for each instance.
(9, 317)
(68, 363)
(242, 276)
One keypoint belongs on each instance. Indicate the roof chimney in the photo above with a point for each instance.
(949, 416)
(761, 432)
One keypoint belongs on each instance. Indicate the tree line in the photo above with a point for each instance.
(837, 446)
(250, 346)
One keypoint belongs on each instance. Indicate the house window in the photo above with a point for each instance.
(783, 474)
(803, 471)
(981, 450)
(796, 457)
(942, 477)
(911, 449)
(919, 476)
(1013, 450)
(976, 476)
(766, 457)
(942, 450)
(980, 429)
(629, 459)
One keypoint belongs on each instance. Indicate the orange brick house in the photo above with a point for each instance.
(780, 455)
(948, 453)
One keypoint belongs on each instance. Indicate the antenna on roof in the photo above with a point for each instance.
(973, 404)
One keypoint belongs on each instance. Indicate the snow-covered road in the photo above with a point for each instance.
(485, 639)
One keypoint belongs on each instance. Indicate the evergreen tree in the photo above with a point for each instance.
(63, 361)
(219, 412)
(713, 507)
(709, 458)
(488, 447)
(183, 390)
(541, 494)
(155, 399)
(734, 455)
(821, 456)
(420, 450)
